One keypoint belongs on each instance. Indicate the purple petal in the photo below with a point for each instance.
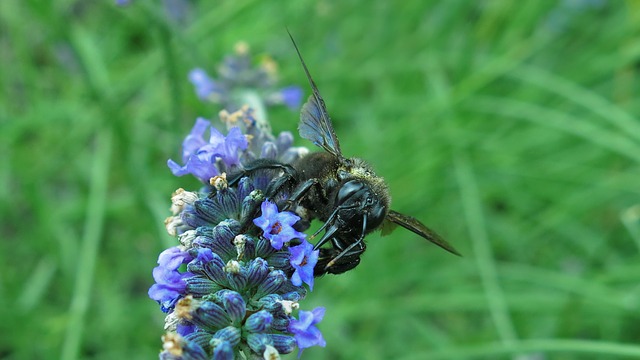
(303, 259)
(318, 314)
(204, 85)
(195, 140)
(291, 97)
(304, 330)
(201, 166)
(173, 257)
(216, 139)
(287, 218)
(198, 155)
(277, 242)
(234, 142)
(296, 279)
(277, 226)
(309, 338)
(169, 286)
(269, 210)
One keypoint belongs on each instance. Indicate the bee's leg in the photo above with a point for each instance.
(277, 184)
(326, 254)
(331, 226)
(274, 187)
(349, 256)
(346, 264)
(348, 252)
(300, 192)
(334, 262)
(262, 164)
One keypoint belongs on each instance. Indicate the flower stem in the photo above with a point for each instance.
(254, 101)
(89, 248)
(165, 34)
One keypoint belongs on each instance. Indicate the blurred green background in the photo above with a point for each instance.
(511, 127)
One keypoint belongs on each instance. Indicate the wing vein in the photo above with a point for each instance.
(315, 123)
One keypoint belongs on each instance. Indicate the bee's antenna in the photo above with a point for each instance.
(304, 65)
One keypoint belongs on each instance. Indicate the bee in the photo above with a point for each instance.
(344, 193)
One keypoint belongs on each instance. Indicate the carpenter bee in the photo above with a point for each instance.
(344, 193)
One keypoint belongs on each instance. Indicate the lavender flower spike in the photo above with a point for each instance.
(231, 289)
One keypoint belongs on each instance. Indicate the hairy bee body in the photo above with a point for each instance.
(343, 193)
(332, 174)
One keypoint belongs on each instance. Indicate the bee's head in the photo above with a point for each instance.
(362, 207)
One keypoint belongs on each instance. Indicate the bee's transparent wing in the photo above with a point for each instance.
(414, 225)
(315, 124)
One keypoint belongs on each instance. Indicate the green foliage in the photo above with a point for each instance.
(511, 127)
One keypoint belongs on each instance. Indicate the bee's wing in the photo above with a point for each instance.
(413, 224)
(315, 124)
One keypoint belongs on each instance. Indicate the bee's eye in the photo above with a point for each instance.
(348, 189)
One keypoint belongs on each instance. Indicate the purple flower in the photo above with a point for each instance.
(227, 148)
(205, 85)
(168, 288)
(305, 331)
(196, 154)
(170, 285)
(173, 257)
(303, 259)
(291, 97)
(199, 156)
(195, 140)
(277, 226)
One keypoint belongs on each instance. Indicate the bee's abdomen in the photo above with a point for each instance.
(324, 168)
(318, 165)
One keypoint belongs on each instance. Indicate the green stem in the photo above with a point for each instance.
(97, 80)
(89, 248)
(254, 101)
(470, 196)
(165, 35)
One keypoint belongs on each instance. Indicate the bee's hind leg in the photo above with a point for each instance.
(331, 261)
(299, 192)
(261, 164)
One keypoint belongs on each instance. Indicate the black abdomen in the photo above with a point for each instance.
(321, 197)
